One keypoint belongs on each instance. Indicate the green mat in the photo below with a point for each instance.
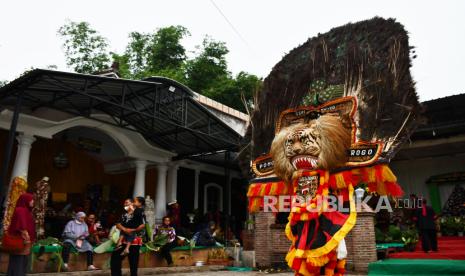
(389, 245)
(416, 267)
(52, 249)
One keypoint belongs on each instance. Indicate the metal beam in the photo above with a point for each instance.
(8, 148)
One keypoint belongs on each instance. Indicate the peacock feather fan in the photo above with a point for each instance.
(369, 60)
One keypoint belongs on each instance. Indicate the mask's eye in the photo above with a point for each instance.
(289, 142)
(304, 140)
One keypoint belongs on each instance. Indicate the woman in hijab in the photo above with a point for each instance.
(22, 224)
(75, 234)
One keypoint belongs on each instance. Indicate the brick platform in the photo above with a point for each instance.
(271, 243)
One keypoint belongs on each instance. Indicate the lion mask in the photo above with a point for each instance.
(321, 143)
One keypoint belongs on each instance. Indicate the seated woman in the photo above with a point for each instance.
(75, 235)
(96, 231)
(205, 236)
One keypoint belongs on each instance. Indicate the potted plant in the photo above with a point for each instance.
(447, 226)
(459, 224)
(410, 239)
(218, 256)
(249, 224)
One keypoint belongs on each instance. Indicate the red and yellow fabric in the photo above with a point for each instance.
(259, 190)
(18, 187)
(303, 259)
(378, 178)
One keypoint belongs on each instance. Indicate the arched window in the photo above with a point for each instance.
(213, 197)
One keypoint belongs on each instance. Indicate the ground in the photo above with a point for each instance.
(177, 271)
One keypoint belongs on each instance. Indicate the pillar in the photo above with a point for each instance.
(262, 236)
(160, 196)
(21, 166)
(196, 189)
(139, 182)
(361, 242)
(172, 183)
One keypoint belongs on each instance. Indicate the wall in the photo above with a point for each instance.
(413, 174)
(83, 169)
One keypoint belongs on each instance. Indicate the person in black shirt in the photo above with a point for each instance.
(139, 205)
(425, 217)
(131, 222)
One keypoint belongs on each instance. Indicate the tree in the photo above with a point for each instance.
(161, 54)
(85, 50)
(165, 50)
(235, 92)
(137, 54)
(209, 68)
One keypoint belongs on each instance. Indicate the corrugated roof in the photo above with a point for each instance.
(443, 117)
(162, 110)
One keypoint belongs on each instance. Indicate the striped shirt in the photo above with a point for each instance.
(166, 230)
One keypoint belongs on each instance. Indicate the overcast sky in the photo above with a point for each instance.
(261, 33)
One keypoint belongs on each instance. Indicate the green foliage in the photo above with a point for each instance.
(162, 54)
(85, 50)
(452, 225)
(410, 236)
(380, 237)
(3, 83)
(165, 48)
(395, 233)
(410, 239)
(209, 68)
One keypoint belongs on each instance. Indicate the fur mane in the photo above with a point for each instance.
(333, 139)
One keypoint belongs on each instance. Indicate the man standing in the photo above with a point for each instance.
(425, 216)
(130, 222)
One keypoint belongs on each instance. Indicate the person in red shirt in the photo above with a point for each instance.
(96, 232)
(22, 224)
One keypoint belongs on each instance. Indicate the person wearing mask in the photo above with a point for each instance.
(75, 234)
(22, 225)
(167, 230)
(131, 223)
(425, 218)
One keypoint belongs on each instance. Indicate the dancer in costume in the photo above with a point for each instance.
(40, 205)
(346, 102)
(18, 187)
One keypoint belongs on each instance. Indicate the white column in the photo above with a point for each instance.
(172, 183)
(139, 182)
(160, 196)
(196, 189)
(21, 166)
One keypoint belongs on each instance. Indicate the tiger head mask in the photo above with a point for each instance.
(321, 143)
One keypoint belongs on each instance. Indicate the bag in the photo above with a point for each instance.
(14, 244)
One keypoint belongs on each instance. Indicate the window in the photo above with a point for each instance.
(213, 197)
